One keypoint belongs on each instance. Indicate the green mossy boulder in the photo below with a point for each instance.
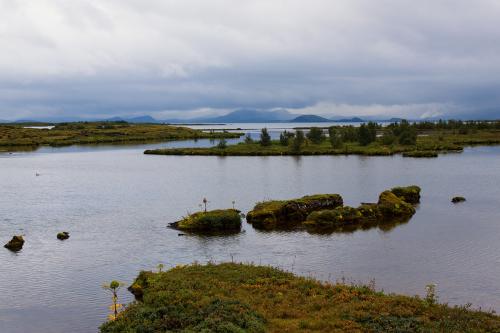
(410, 194)
(15, 244)
(393, 207)
(63, 235)
(272, 214)
(457, 199)
(220, 220)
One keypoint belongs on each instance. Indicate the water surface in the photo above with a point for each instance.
(116, 203)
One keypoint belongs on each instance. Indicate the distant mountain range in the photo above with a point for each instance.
(237, 116)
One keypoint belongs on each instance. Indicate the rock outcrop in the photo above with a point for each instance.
(63, 235)
(15, 244)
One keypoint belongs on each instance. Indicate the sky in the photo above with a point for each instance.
(191, 58)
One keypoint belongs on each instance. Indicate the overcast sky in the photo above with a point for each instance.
(185, 58)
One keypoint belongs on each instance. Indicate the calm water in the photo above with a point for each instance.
(116, 202)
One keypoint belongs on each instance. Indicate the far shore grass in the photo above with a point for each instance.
(16, 137)
(428, 144)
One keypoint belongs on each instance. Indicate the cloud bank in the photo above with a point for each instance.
(190, 57)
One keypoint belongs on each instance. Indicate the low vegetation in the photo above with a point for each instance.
(222, 220)
(14, 137)
(253, 299)
(423, 139)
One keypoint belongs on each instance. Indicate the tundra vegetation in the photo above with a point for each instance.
(423, 139)
(326, 212)
(16, 136)
(219, 220)
(242, 298)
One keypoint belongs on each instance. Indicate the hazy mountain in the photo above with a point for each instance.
(253, 116)
(350, 120)
(310, 118)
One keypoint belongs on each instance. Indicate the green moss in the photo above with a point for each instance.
(272, 214)
(391, 206)
(410, 194)
(245, 298)
(390, 210)
(214, 220)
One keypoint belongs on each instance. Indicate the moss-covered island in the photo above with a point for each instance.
(253, 299)
(326, 212)
(418, 140)
(220, 220)
(18, 136)
(282, 213)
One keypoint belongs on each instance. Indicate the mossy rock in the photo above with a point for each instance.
(271, 214)
(392, 206)
(365, 215)
(410, 194)
(15, 244)
(63, 235)
(458, 199)
(334, 217)
(215, 220)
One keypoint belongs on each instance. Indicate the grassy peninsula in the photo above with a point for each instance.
(17, 136)
(418, 140)
(245, 298)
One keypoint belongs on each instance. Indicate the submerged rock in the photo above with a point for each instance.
(410, 194)
(271, 214)
(220, 220)
(63, 235)
(457, 199)
(15, 244)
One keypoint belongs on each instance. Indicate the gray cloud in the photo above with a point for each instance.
(119, 57)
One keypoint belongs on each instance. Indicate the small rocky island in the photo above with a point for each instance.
(276, 213)
(15, 244)
(220, 220)
(458, 199)
(326, 211)
(63, 235)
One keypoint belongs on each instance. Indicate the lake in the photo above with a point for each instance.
(116, 203)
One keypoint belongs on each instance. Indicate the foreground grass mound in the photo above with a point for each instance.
(213, 220)
(253, 299)
(272, 214)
